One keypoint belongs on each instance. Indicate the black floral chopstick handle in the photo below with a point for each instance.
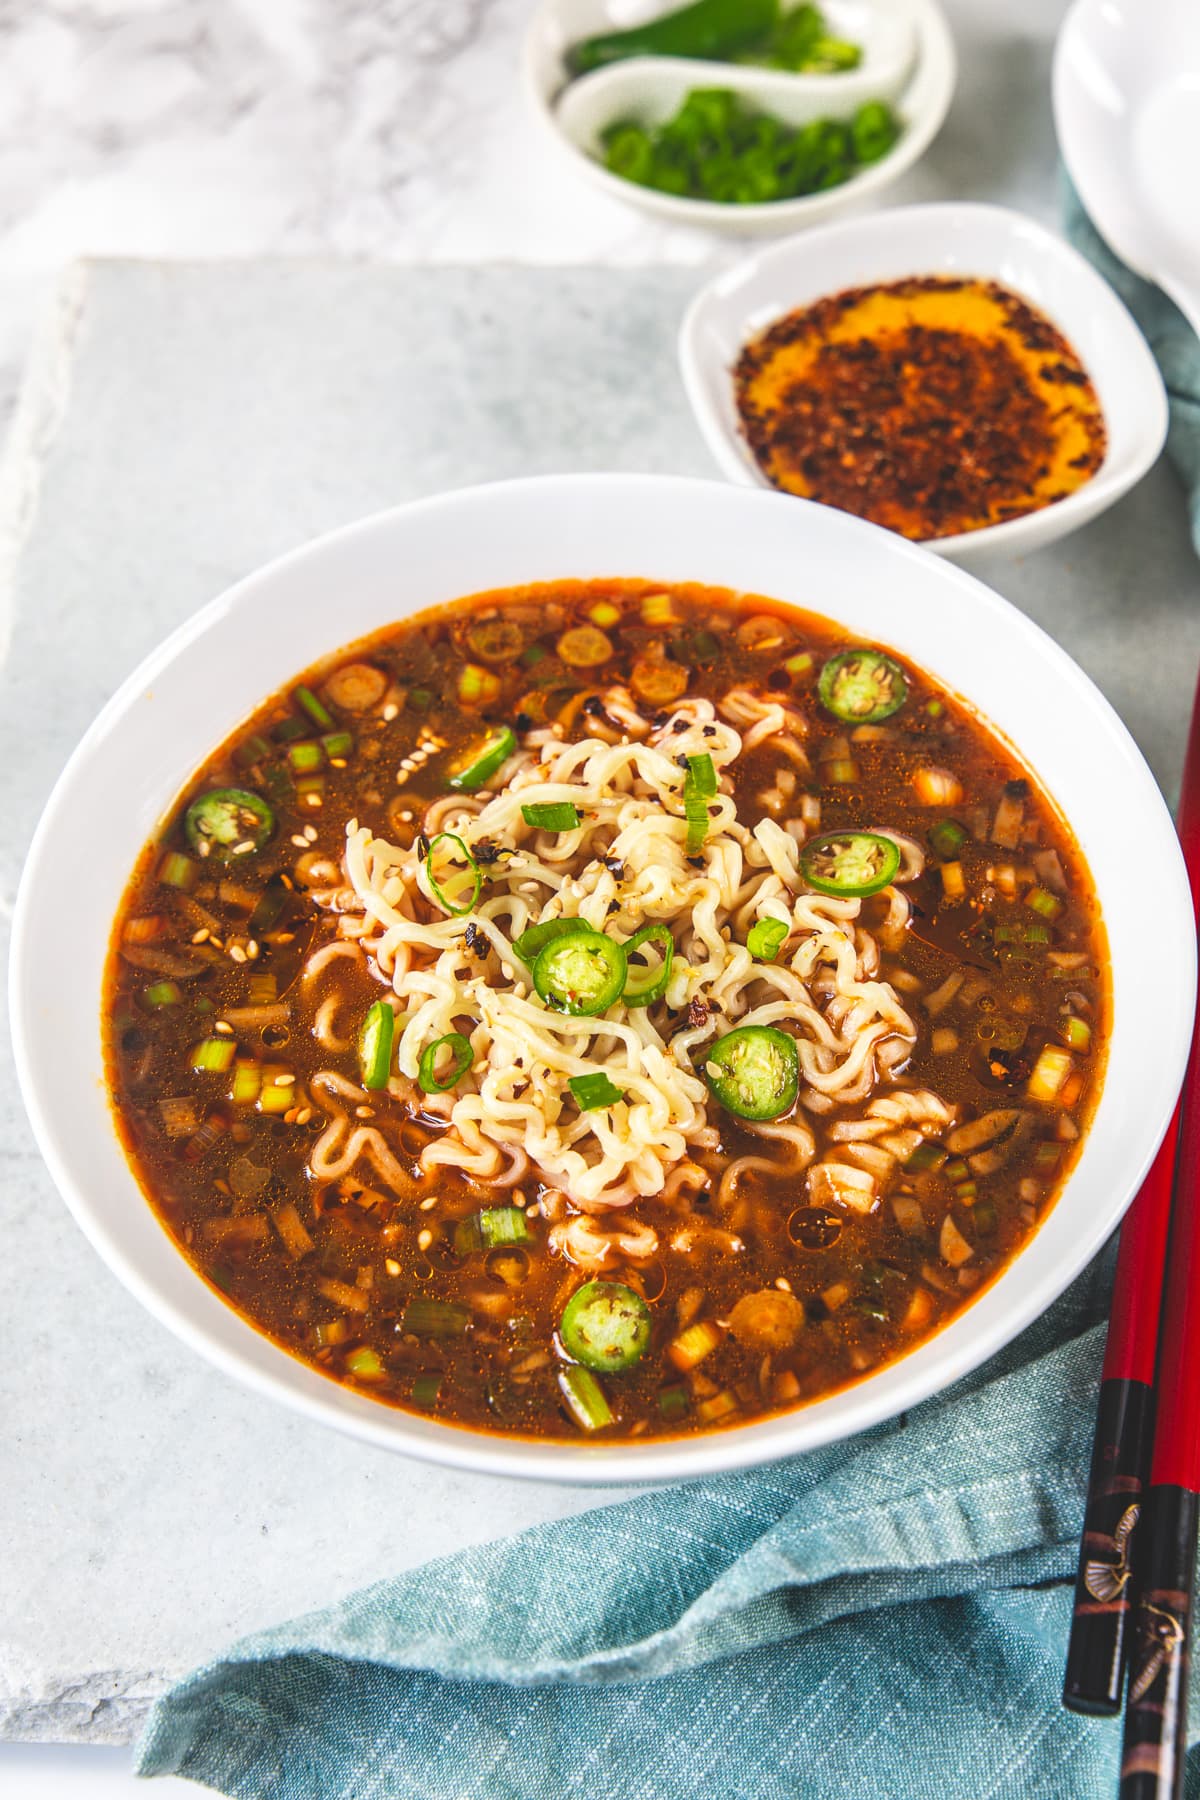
(1154, 1753)
(1104, 1589)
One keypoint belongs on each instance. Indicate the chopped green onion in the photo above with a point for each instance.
(177, 870)
(983, 1217)
(214, 1054)
(1044, 902)
(674, 1402)
(163, 993)
(956, 1170)
(434, 1318)
(310, 784)
(289, 729)
(484, 761)
(462, 1055)
(843, 771)
(425, 1390)
(494, 1225)
(1047, 1157)
(532, 942)
(305, 757)
(553, 815)
(253, 750)
(934, 708)
(1076, 1033)
(695, 811)
(765, 938)
(644, 983)
(947, 838)
(536, 653)
(592, 1091)
(458, 875)
(799, 664)
(337, 743)
(316, 709)
(1037, 933)
(926, 1156)
(247, 1083)
(419, 699)
(375, 1045)
(703, 773)
(585, 1398)
(365, 1363)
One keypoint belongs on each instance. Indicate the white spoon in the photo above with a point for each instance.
(1127, 111)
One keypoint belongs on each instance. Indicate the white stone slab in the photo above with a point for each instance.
(150, 1510)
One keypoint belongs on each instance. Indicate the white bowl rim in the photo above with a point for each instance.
(934, 48)
(885, 229)
(756, 1443)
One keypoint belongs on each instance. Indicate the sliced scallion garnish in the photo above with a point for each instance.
(551, 815)
(177, 870)
(213, 1055)
(163, 993)
(494, 1225)
(585, 1398)
(434, 1318)
(452, 885)
(592, 1091)
(765, 937)
(695, 811)
(462, 1057)
(703, 773)
(316, 709)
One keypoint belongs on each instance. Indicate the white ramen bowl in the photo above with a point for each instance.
(958, 239)
(209, 675)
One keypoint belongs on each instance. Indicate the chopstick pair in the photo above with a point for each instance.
(1135, 1584)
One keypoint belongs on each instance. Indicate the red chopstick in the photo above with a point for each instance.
(1097, 1648)
(1154, 1753)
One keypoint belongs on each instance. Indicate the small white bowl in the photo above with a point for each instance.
(908, 61)
(958, 239)
(207, 677)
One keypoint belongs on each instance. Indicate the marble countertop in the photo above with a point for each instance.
(385, 130)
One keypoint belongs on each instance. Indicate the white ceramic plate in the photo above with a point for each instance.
(210, 675)
(952, 239)
(908, 61)
(1127, 111)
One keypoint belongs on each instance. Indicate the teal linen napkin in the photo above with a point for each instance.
(885, 1618)
(1175, 345)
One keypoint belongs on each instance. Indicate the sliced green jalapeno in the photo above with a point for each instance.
(582, 972)
(375, 1045)
(228, 823)
(754, 1071)
(605, 1326)
(850, 864)
(645, 980)
(484, 762)
(862, 686)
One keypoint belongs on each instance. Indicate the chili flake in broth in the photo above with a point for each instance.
(932, 406)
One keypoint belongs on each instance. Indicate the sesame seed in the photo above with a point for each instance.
(202, 936)
(424, 1239)
(391, 1265)
(781, 1281)
(285, 1081)
(430, 1202)
(364, 1112)
(304, 1115)
(312, 799)
(301, 843)
(407, 764)
(252, 949)
(337, 762)
(237, 954)
(310, 833)
(289, 1117)
(391, 711)
(242, 849)
(224, 1028)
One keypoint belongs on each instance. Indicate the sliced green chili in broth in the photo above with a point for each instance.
(222, 1178)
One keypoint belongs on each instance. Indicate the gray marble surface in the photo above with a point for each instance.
(149, 1509)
